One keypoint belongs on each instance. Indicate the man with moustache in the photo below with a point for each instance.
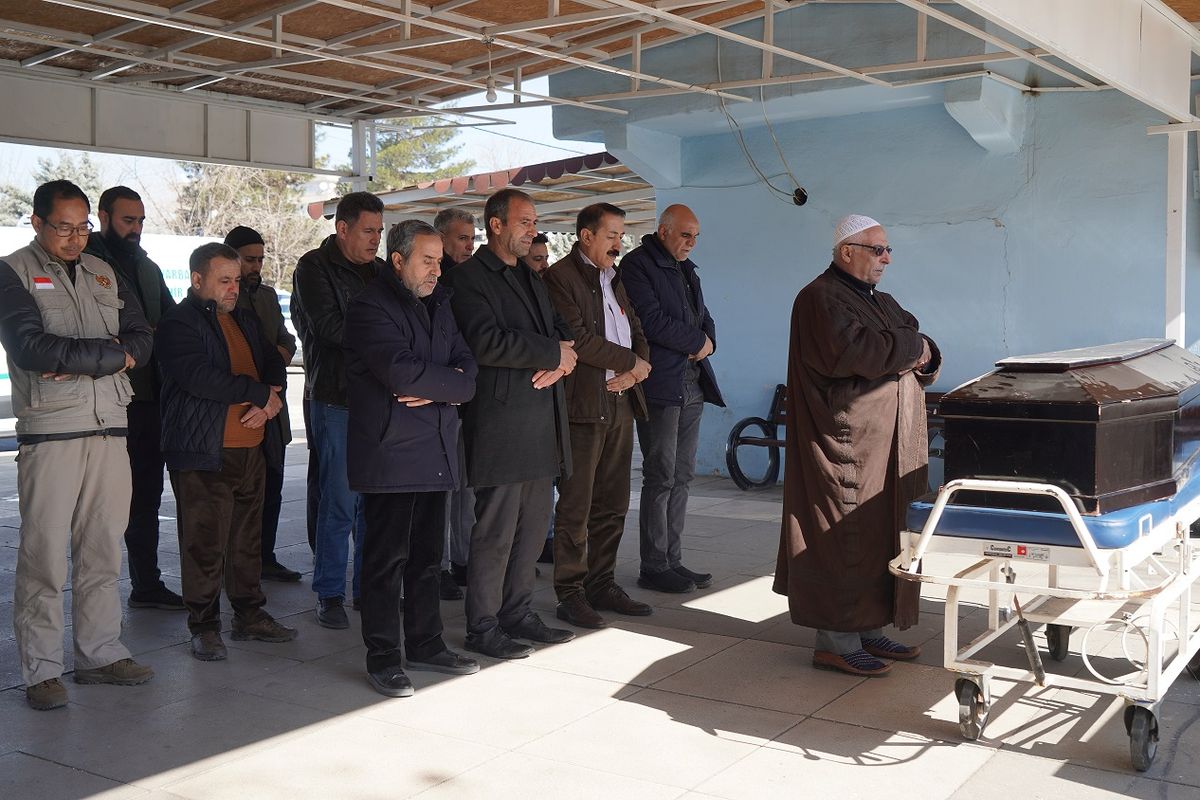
(515, 428)
(603, 397)
(408, 368)
(856, 453)
(664, 287)
(456, 226)
(72, 331)
(122, 216)
(221, 385)
(325, 281)
(262, 300)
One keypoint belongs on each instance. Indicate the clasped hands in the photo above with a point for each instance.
(257, 416)
(567, 358)
(627, 380)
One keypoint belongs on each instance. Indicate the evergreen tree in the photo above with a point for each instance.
(16, 204)
(406, 155)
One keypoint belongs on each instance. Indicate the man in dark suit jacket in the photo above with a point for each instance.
(515, 428)
(603, 397)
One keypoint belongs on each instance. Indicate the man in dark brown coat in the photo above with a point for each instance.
(603, 396)
(857, 454)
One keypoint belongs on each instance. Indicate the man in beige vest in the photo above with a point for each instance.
(71, 332)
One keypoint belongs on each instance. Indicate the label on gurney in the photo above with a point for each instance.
(1028, 552)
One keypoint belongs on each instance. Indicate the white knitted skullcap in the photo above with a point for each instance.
(851, 224)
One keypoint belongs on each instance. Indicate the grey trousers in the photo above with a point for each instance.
(668, 439)
(843, 643)
(509, 532)
(74, 492)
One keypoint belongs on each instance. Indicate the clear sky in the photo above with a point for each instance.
(529, 141)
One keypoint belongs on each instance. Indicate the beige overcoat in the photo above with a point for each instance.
(856, 455)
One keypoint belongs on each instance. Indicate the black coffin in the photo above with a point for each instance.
(1114, 425)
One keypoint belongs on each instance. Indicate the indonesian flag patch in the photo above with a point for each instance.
(42, 282)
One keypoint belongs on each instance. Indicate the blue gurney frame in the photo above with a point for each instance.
(1154, 571)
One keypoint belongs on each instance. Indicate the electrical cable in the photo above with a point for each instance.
(799, 196)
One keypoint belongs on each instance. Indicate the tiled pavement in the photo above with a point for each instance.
(712, 696)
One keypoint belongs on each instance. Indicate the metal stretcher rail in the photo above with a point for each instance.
(1153, 574)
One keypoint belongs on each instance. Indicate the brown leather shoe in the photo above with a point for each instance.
(856, 663)
(614, 598)
(576, 610)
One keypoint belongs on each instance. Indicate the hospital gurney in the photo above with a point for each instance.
(1131, 570)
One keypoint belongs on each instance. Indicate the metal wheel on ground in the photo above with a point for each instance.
(972, 709)
(1142, 726)
(1058, 639)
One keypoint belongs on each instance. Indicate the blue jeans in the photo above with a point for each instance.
(340, 511)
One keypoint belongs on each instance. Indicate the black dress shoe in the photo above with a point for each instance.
(533, 629)
(614, 598)
(275, 571)
(668, 581)
(576, 610)
(392, 682)
(446, 661)
(459, 573)
(332, 614)
(448, 588)
(158, 597)
(703, 580)
(495, 643)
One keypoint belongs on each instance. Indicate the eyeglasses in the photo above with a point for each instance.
(64, 230)
(877, 249)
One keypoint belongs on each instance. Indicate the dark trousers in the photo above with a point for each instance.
(313, 493)
(509, 532)
(146, 468)
(220, 535)
(668, 440)
(590, 516)
(402, 548)
(272, 504)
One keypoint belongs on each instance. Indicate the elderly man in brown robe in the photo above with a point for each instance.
(857, 454)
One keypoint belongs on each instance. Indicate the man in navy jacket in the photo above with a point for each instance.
(665, 291)
(407, 368)
(221, 384)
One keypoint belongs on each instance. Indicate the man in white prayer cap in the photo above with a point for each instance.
(857, 454)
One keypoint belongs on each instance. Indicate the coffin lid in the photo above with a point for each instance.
(1110, 381)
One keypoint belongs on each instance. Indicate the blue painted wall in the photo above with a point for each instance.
(1059, 244)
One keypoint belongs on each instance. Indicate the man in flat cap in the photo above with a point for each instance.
(857, 454)
(263, 301)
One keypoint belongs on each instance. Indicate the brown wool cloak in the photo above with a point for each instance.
(856, 455)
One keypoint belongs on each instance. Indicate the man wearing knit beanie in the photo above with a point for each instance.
(856, 452)
(264, 302)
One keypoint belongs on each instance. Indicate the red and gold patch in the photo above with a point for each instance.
(104, 281)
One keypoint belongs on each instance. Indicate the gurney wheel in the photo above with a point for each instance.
(972, 712)
(1058, 637)
(1143, 736)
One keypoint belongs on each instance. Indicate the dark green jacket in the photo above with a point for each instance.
(145, 279)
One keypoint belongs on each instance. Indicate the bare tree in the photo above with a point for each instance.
(212, 199)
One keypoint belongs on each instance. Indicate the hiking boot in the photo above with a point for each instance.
(208, 646)
(46, 695)
(125, 672)
(265, 629)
